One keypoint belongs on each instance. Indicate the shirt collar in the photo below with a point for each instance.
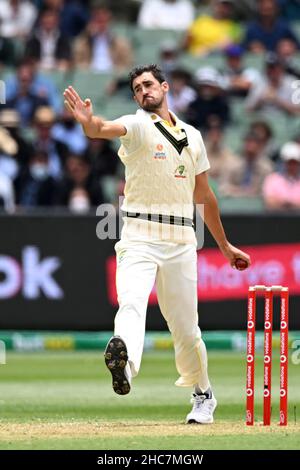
(155, 118)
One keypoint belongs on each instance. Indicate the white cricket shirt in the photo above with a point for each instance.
(160, 176)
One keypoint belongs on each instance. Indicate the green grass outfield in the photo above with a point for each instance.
(64, 400)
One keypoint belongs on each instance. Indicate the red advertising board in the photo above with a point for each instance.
(271, 265)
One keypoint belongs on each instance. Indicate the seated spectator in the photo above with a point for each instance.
(23, 97)
(73, 15)
(275, 91)
(168, 61)
(44, 120)
(17, 18)
(34, 186)
(211, 103)
(281, 190)
(99, 48)
(103, 158)
(9, 166)
(79, 175)
(10, 120)
(238, 79)
(68, 134)
(245, 179)
(79, 201)
(7, 197)
(290, 9)
(213, 33)
(40, 85)
(220, 157)
(50, 48)
(263, 130)
(181, 94)
(168, 56)
(166, 14)
(8, 53)
(264, 33)
(287, 53)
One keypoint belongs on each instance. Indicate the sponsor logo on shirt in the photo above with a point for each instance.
(160, 154)
(180, 172)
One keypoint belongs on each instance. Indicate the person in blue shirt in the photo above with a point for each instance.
(268, 29)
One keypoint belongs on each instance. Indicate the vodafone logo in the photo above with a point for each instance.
(268, 325)
(250, 324)
(267, 359)
(249, 392)
(250, 358)
(283, 325)
(283, 359)
(266, 393)
(282, 392)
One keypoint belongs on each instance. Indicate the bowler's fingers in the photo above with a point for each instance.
(72, 93)
(68, 106)
(68, 95)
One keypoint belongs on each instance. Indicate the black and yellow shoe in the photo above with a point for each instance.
(116, 359)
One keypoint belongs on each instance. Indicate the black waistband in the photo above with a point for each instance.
(161, 218)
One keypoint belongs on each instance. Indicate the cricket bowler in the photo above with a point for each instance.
(166, 173)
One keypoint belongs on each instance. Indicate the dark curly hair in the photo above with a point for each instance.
(153, 68)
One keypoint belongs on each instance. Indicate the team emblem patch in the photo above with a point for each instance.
(180, 172)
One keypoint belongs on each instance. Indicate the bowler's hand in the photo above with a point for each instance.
(233, 254)
(81, 110)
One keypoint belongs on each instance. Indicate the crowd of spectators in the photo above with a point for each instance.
(46, 160)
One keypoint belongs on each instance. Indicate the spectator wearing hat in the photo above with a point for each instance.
(281, 189)
(275, 91)
(166, 14)
(168, 56)
(268, 29)
(238, 79)
(213, 33)
(211, 103)
(34, 186)
(10, 120)
(48, 46)
(99, 48)
(17, 18)
(246, 177)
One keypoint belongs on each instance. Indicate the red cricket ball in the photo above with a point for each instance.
(241, 264)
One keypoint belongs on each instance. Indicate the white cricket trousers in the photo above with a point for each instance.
(174, 268)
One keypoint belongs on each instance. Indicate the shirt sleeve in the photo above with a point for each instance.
(133, 138)
(202, 163)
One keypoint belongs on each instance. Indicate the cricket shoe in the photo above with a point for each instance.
(116, 360)
(203, 409)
